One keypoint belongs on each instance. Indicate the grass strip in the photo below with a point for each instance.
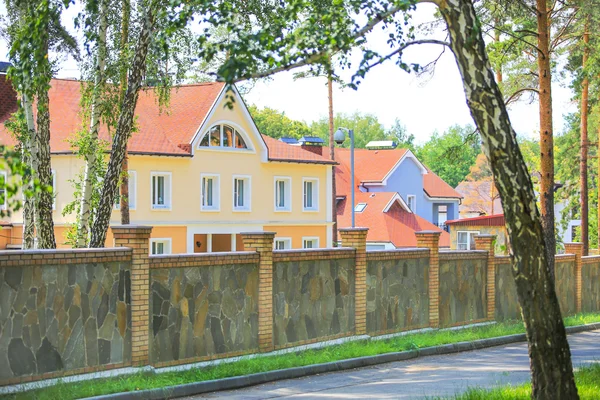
(246, 366)
(587, 378)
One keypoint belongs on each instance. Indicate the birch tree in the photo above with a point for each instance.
(551, 367)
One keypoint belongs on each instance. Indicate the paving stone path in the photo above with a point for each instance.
(425, 377)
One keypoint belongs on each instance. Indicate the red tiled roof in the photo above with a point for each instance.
(161, 132)
(375, 165)
(370, 165)
(397, 225)
(435, 186)
(157, 132)
(279, 151)
(486, 220)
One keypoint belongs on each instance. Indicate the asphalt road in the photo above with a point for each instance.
(423, 377)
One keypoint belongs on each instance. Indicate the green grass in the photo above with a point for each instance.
(588, 386)
(263, 364)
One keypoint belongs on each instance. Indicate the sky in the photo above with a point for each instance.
(422, 105)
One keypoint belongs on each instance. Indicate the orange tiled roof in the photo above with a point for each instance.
(371, 165)
(375, 165)
(397, 225)
(169, 132)
(435, 186)
(280, 151)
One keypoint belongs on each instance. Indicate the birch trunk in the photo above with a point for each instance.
(551, 367)
(44, 203)
(546, 135)
(28, 203)
(123, 131)
(124, 202)
(583, 163)
(91, 161)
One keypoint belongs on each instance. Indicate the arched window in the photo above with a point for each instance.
(223, 136)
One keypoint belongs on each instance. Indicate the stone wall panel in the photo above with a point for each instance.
(507, 303)
(462, 290)
(564, 272)
(397, 295)
(201, 312)
(312, 300)
(57, 318)
(590, 290)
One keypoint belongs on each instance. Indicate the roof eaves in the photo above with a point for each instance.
(291, 160)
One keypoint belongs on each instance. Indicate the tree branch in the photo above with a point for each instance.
(515, 94)
(314, 58)
(404, 46)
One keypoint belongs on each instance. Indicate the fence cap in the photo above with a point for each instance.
(266, 233)
(486, 235)
(131, 227)
(359, 229)
(428, 233)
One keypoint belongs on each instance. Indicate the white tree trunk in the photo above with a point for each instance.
(28, 204)
(91, 161)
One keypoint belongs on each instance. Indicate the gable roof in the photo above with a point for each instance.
(168, 132)
(396, 225)
(373, 166)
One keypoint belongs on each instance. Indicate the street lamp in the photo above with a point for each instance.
(339, 138)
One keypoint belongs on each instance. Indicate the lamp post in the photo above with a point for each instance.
(339, 138)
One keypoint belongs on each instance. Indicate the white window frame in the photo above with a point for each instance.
(287, 193)
(360, 207)
(469, 235)
(287, 243)
(167, 243)
(414, 197)
(315, 194)
(313, 239)
(247, 194)
(216, 193)
(168, 191)
(132, 191)
(3, 206)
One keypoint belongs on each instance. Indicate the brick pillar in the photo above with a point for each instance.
(138, 239)
(431, 240)
(357, 238)
(488, 243)
(262, 243)
(577, 249)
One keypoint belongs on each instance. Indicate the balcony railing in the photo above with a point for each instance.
(443, 227)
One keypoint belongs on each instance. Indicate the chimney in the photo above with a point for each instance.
(8, 98)
(312, 144)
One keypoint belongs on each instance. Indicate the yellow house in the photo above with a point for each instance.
(200, 173)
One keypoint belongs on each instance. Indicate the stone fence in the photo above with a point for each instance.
(65, 312)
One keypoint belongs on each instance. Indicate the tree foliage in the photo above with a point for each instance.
(451, 154)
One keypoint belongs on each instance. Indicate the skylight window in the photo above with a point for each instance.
(360, 207)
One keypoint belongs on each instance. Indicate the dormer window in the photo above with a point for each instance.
(223, 136)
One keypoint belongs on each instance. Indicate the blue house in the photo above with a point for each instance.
(398, 171)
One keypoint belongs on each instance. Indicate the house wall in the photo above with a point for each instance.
(296, 233)
(186, 173)
(499, 231)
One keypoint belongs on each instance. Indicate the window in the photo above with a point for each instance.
(210, 193)
(3, 194)
(311, 194)
(283, 243)
(360, 207)
(283, 194)
(223, 136)
(160, 246)
(466, 240)
(132, 185)
(411, 201)
(161, 190)
(241, 193)
(310, 242)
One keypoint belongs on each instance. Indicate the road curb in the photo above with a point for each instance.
(238, 382)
